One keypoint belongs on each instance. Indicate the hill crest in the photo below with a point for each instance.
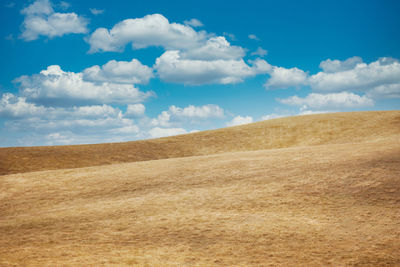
(309, 130)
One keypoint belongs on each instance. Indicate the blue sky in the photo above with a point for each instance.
(76, 72)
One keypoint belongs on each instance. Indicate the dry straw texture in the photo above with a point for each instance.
(325, 191)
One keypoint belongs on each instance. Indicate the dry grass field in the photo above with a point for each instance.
(302, 191)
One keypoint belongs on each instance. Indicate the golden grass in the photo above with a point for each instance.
(329, 204)
(308, 130)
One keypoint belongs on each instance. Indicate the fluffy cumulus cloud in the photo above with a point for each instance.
(58, 87)
(162, 132)
(190, 113)
(332, 101)
(156, 30)
(385, 91)
(41, 19)
(61, 107)
(94, 123)
(18, 108)
(380, 77)
(332, 66)
(281, 78)
(206, 111)
(239, 120)
(62, 124)
(151, 30)
(129, 72)
(214, 48)
(171, 67)
(191, 57)
(135, 110)
(12, 106)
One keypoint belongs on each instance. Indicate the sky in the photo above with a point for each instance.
(81, 72)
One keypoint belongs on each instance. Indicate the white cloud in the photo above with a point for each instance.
(162, 120)
(96, 11)
(332, 66)
(259, 52)
(284, 78)
(38, 7)
(70, 125)
(191, 57)
(16, 107)
(96, 111)
(260, 66)
(162, 132)
(94, 123)
(172, 68)
(156, 30)
(57, 87)
(130, 72)
(378, 79)
(253, 37)
(151, 30)
(135, 110)
(194, 23)
(206, 111)
(190, 113)
(328, 101)
(239, 120)
(19, 109)
(381, 74)
(385, 91)
(214, 48)
(12, 106)
(40, 19)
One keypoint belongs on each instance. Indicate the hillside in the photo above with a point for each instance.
(336, 128)
(325, 191)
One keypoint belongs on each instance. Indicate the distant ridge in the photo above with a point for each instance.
(310, 130)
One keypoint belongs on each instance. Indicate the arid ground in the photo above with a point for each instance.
(310, 190)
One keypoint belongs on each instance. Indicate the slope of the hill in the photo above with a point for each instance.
(308, 130)
(327, 205)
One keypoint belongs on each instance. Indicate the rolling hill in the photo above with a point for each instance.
(337, 128)
(310, 190)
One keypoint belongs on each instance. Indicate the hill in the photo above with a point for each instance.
(325, 191)
(336, 128)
